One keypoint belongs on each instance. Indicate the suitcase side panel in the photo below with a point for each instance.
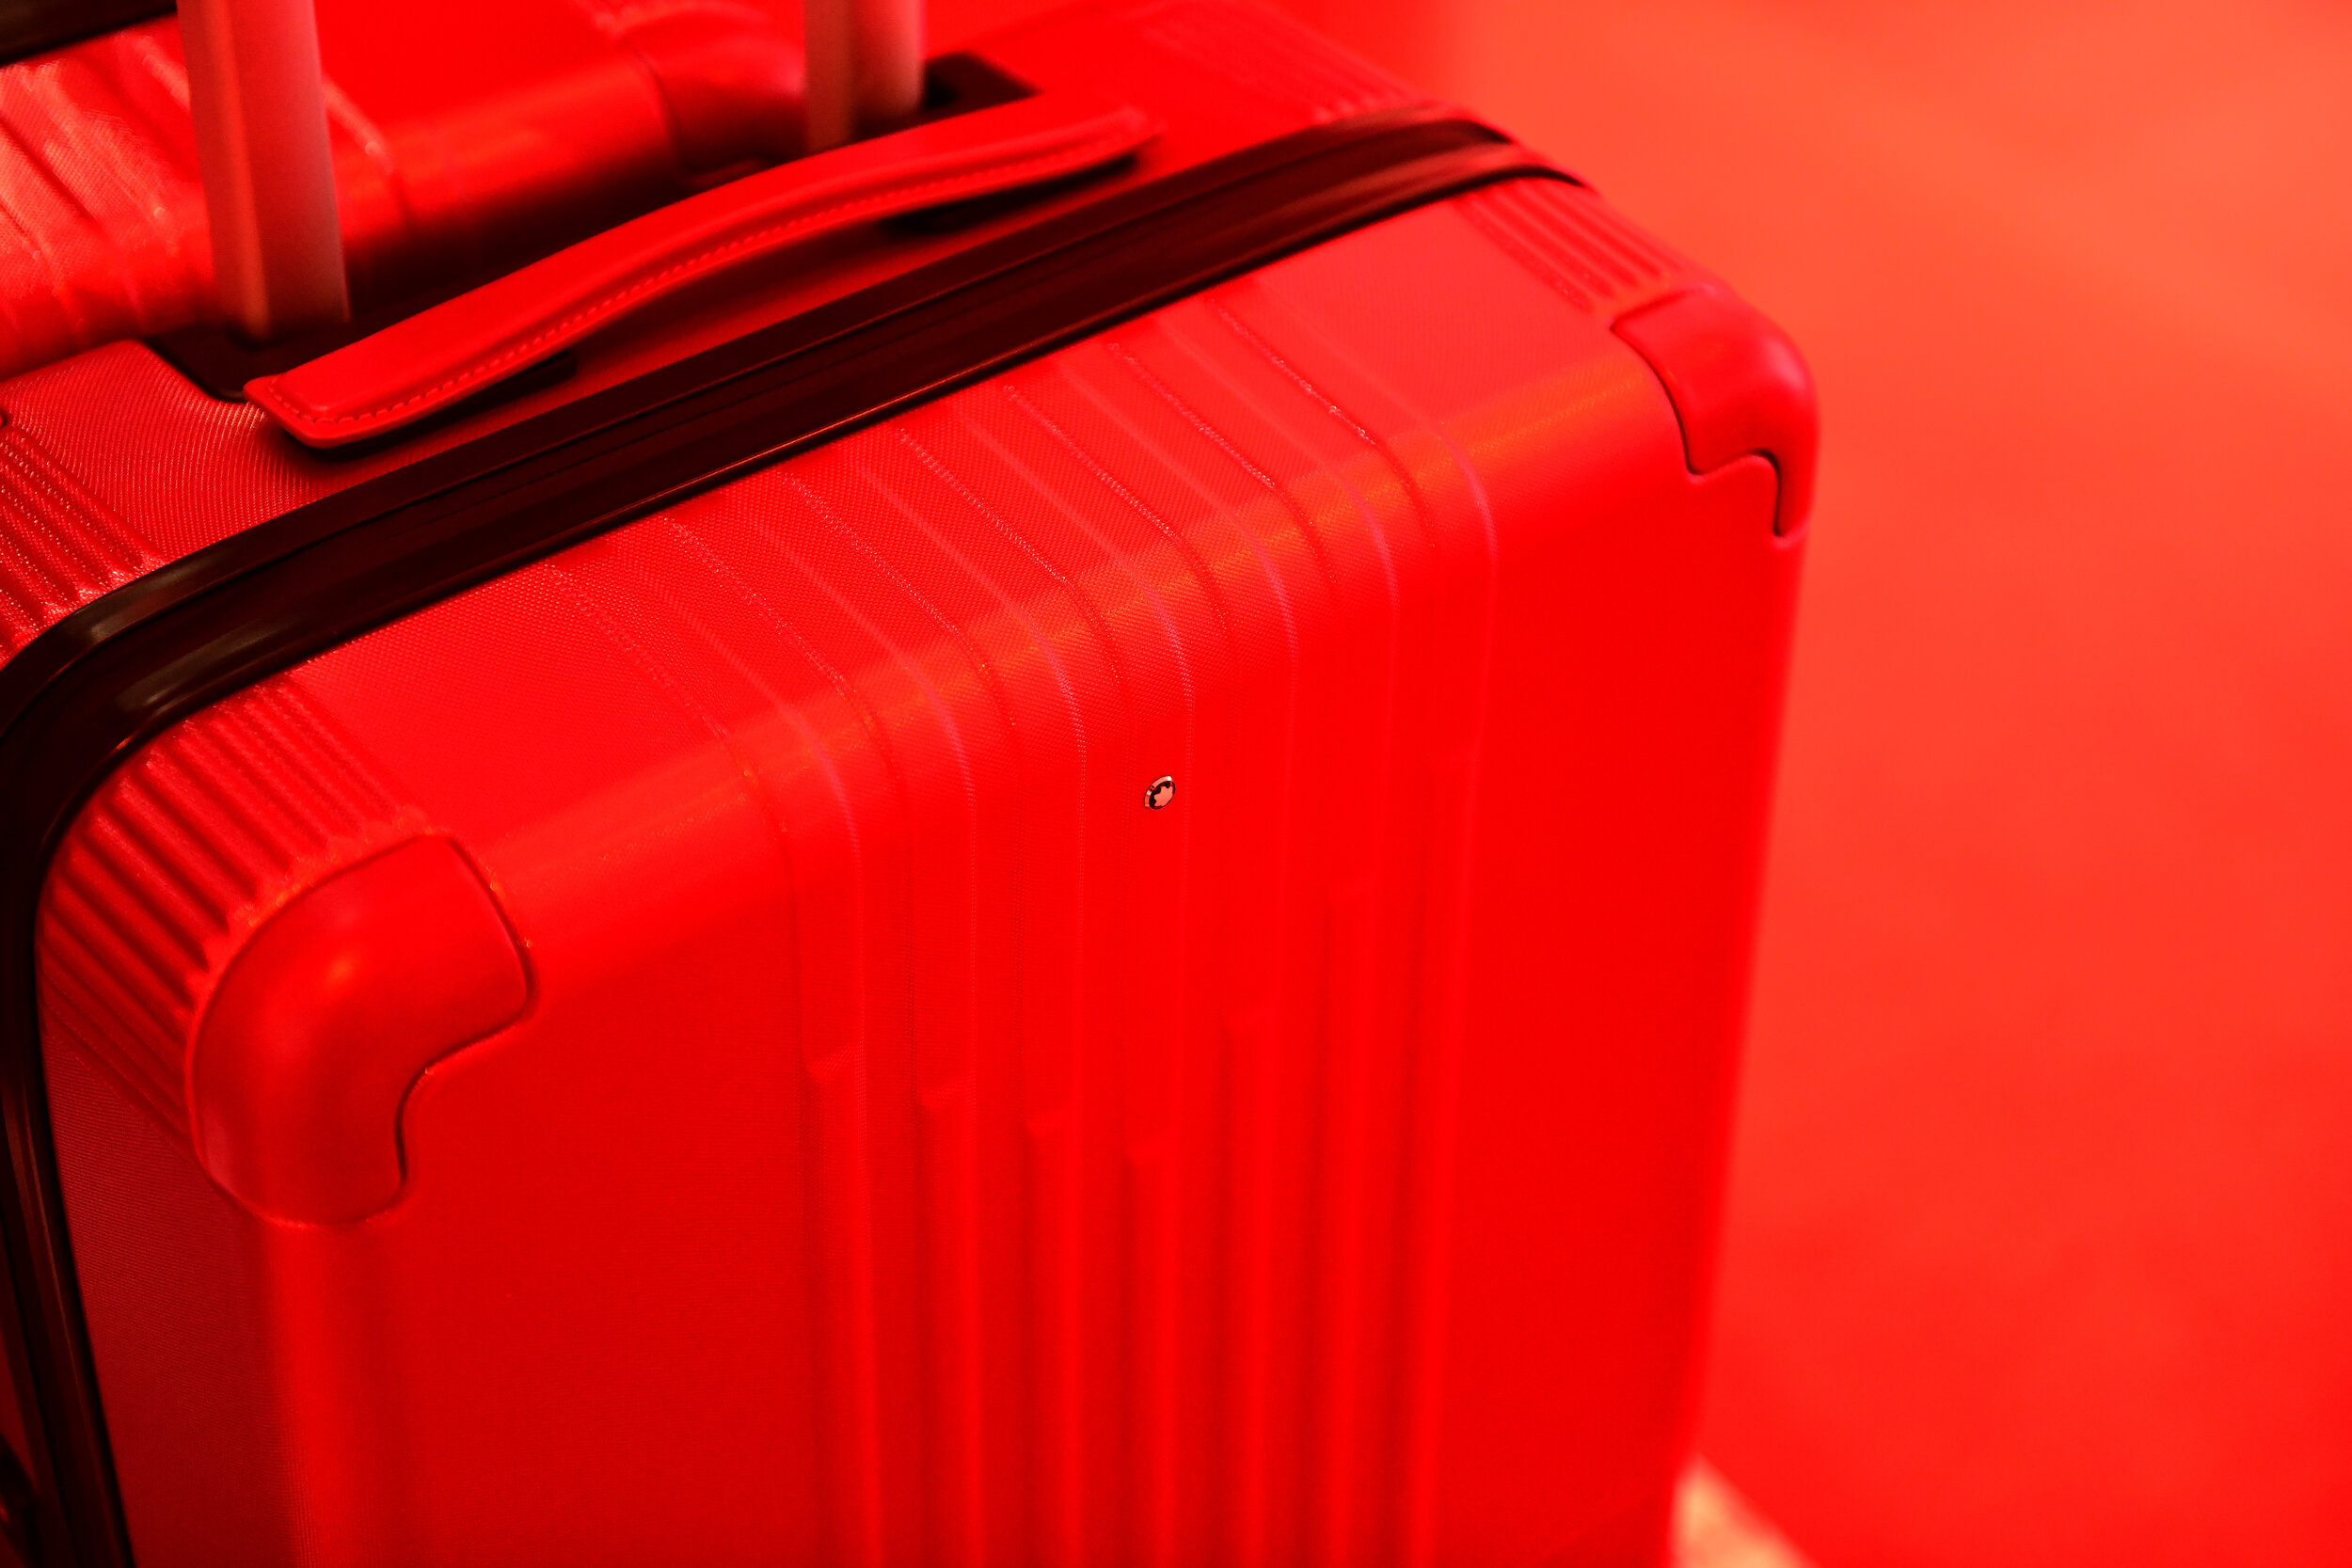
(195, 473)
(1277, 1174)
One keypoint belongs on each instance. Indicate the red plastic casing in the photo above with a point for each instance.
(848, 1121)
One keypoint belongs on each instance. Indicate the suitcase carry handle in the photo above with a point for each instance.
(454, 350)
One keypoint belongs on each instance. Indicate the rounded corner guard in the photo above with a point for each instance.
(326, 1017)
(1738, 385)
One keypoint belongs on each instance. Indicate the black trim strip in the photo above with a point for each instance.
(121, 669)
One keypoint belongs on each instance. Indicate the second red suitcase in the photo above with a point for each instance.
(1065, 879)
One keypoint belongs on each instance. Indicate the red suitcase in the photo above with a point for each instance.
(1044, 854)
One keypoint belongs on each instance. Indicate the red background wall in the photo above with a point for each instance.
(2038, 1247)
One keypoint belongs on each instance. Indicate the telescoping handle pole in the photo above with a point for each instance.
(260, 106)
(865, 67)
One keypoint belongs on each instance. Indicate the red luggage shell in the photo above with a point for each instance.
(1138, 963)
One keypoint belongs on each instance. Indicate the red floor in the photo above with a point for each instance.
(2040, 1242)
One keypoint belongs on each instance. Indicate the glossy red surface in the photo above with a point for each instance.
(311, 1039)
(1738, 385)
(917, 1147)
(2039, 1246)
(2037, 1250)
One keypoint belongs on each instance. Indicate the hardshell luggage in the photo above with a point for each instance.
(1030, 843)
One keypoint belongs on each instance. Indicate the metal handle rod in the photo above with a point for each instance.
(258, 103)
(865, 67)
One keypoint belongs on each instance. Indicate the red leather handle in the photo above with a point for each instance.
(456, 348)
